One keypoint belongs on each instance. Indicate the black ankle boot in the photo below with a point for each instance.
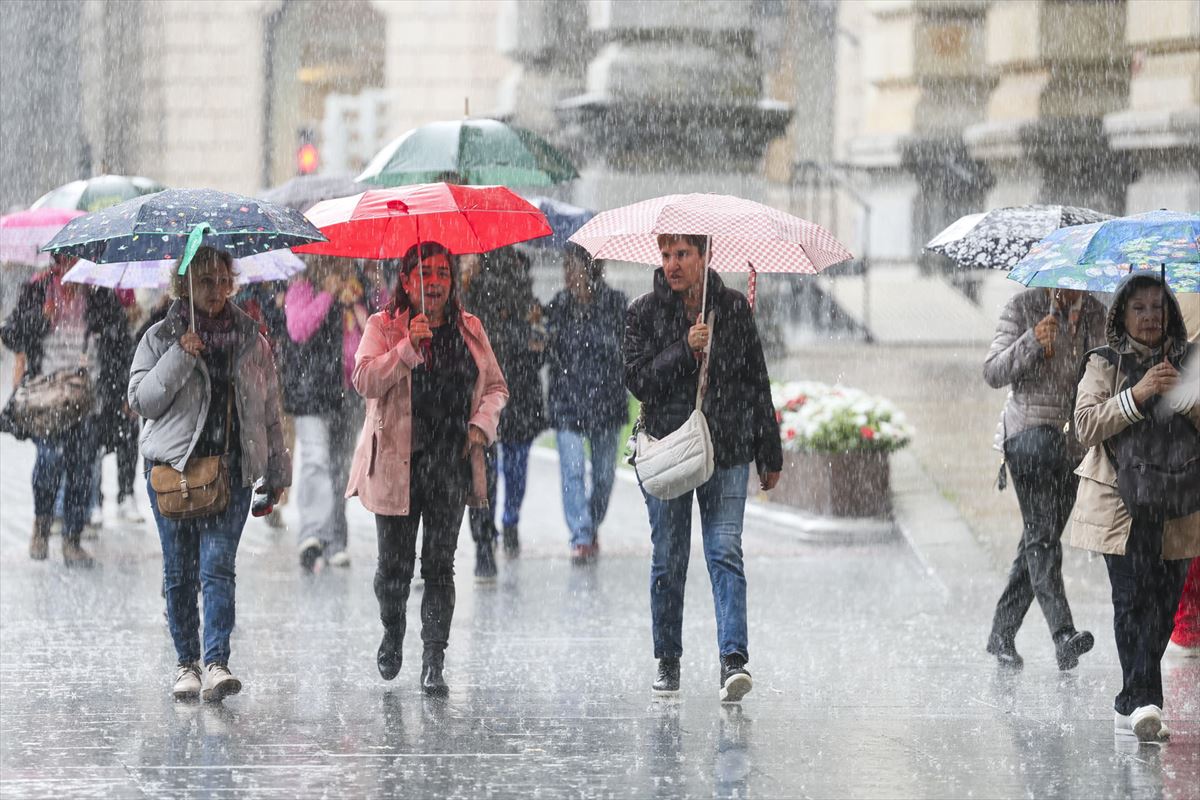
(666, 680)
(1069, 647)
(1005, 651)
(485, 560)
(512, 542)
(431, 674)
(391, 651)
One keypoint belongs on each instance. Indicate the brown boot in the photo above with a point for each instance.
(74, 555)
(39, 545)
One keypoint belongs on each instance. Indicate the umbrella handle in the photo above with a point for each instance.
(704, 289)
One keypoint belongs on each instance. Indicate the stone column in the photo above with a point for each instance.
(1160, 128)
(673, 102)
(1060, 67)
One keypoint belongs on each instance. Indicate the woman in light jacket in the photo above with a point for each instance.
(434, 394)
(1146, 554)
(192, 387)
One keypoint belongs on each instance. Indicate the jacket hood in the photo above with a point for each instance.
(662, 289)
(1114, 329)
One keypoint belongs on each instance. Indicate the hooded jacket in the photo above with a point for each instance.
(1042, 388)
(587, 393)
(171, 390)
(662, 372)
(1104, 407)
(379, 473)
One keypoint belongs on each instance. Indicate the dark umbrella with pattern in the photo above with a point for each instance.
(999, 238)
(173, 224)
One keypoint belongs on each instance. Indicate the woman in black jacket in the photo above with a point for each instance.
(59, 326)
(664, 344)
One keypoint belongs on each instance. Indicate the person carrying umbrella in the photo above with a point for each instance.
(1040, 339)
(1139, 431)
(205, 382)
(663, 347)
(434, 394)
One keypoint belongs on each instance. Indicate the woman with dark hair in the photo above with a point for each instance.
(66, 326)
(205, 383)
(584, 325)
(434, 395)
(1137, 427)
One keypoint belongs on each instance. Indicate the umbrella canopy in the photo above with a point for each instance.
(277, 265)
(160, 226)
(94, 194)
(472, 151)
(23, 234)
(304, 191)
(999, 238)
(1095, 257)
(385, 223)
(564, 220)
(746, 236)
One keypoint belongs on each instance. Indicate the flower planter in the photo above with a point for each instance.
(852, 484)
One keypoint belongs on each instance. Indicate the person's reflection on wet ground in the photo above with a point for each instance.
(731, 760)
(667, 761)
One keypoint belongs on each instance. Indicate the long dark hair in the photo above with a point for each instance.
(400, 303)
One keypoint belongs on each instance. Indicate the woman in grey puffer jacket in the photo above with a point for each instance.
(1038, 347)
(207, 390)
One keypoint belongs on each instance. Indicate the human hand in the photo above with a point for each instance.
(1046, 330)
(475, 438)
(1159, 379)
(418, 329)
(697, 337)
(191, 343)
(768, 480)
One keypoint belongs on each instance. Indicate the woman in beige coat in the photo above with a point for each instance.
(1147, 555)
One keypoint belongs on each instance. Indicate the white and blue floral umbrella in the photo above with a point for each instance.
(999, 238)
(1096, 257)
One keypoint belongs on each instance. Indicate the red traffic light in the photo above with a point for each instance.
(307, 159)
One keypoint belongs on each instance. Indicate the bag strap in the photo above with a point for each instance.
(229, 405)
(702, 382)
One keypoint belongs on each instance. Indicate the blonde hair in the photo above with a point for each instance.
(205, 257)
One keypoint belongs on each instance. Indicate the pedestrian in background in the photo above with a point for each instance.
(663, 350)
(64, 326)
(585, 323)
(207, 386)
(1040, 341)
(434, 394)
(1122, 407)
(1185, 641)
(326, 316)
(501, 294)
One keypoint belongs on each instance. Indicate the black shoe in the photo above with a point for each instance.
(432, 681)
(512, 544)
(667, 679)
(735, 679)
(485, 561)
(1005, 652)
(1068, 648)
(391, 652)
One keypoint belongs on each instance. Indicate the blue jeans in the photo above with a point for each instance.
(66, 460)
(722, 504)
(514, 462)
(198, 555)
(584, 511)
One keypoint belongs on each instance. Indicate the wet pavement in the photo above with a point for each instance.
(870, 679)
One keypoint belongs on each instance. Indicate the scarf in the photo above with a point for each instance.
(219, 332)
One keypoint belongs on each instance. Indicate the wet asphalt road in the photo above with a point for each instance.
(870, 680)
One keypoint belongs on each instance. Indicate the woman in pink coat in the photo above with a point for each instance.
(434, 394)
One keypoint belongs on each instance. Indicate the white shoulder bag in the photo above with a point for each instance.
(683, 459)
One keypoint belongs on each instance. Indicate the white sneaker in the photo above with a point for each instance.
(340, 559)
(127, 511)
(310, 552)
(1123, 726)
(97, 517)
(221, 683)
(187, 682)
(1146, 723)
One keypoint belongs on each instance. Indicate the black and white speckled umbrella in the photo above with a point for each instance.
(999, 238)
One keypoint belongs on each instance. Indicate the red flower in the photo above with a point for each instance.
(866, 432)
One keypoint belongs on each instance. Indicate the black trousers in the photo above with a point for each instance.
(437, 497)
(1045, 482)
(1145, 594)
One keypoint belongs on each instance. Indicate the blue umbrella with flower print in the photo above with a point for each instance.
(1096, 257)
(175, 223)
